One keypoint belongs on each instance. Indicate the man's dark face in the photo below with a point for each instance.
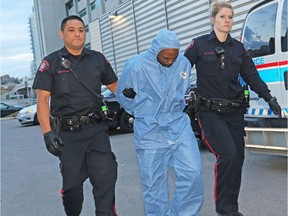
(167, 57)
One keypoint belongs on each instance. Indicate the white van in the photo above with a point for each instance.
(264, 36)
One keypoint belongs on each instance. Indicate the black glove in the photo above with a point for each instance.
(274, 106)
(53, 143)
(129, 93)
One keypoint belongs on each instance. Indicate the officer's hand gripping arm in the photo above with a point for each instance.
(53, 143)
(129, 93)
(274, 106)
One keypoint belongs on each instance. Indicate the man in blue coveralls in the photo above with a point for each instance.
(152, 88)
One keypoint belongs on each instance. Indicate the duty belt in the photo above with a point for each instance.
(221, 105)
(73, 123)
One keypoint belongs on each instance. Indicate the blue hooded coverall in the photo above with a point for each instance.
(163, 134)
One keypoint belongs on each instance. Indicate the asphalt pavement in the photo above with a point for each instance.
(31, 182)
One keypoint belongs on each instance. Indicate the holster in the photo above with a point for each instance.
(55, 124)
(194, 101)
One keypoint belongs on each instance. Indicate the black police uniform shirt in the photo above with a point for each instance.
(215, 82)
(68, 96)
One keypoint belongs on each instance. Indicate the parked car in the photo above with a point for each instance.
(28, 115)
(7, 109)
(28, 102)
(119, 117)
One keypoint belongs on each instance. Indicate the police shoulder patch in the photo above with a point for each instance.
(43, 66)
(191, 44)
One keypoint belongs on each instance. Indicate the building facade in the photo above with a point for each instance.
(122, 29)
(128, 29)
(47, 16)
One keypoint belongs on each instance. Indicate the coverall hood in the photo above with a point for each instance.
(165, 39)
(159, 102)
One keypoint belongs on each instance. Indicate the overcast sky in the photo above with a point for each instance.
(16, 52)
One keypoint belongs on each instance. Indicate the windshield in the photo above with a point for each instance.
(259, 33)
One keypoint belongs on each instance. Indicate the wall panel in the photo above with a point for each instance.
(138, 21)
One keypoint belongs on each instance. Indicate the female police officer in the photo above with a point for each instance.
(77, 136)
(219, 61)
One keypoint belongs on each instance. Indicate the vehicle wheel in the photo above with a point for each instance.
(36, 122)
(125, 124)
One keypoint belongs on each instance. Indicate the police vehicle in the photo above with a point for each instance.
(264, 36)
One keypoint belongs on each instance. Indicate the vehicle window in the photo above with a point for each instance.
(259, 34)
(284, 28)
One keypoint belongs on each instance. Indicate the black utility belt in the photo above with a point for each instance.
(73, 123)
(221, 105)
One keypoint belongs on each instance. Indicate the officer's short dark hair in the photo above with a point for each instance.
(72, 17)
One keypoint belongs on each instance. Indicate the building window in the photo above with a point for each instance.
(86, 28)
(79, 0)
(92, 5)
(95, 4)
(69, 5)
(83, 12)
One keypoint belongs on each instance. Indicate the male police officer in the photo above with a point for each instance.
(77, 136)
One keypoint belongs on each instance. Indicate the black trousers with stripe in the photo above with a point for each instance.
(87, 154)
(223, 134)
